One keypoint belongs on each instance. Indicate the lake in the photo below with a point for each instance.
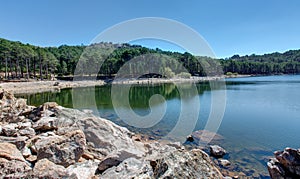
(262, 114)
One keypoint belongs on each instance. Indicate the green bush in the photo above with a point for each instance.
(229, 74)
(168, 72)
(184, 75)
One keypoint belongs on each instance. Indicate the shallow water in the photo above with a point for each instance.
(262, 113)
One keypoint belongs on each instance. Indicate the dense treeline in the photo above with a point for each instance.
(275, 63)
(19, 60)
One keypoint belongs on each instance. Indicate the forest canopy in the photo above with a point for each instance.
(18, 60)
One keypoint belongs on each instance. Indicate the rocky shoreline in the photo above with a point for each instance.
(51, 141)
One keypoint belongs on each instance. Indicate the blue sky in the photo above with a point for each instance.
(230, 27)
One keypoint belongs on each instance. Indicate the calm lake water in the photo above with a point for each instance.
(262, 114)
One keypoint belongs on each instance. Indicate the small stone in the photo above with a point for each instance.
(31, 158)
(56, 83)
(81, 159)
(33, 149)
(21, 118)
(190, 138)
(224, 162)
(49, 105)
(217, 151)
(87, 156)
(26, 152)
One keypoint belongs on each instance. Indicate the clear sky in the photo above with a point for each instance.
(229, 26)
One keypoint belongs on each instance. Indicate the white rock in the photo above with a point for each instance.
(26, 152)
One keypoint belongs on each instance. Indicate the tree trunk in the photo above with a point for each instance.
(6, 68)
(34, 68)
(47, 71)
(22, 69)
(10, 68)
(2, 62)
(27, 70)
(16, 68)
(41, 69)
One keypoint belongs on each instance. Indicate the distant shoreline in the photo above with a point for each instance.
(33, 87)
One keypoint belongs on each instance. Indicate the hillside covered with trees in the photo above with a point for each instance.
(18, 60)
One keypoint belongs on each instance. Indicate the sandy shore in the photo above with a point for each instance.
(56, 86)
(46, 86)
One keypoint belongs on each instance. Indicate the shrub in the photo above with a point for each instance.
(184, 75)
(168, 73)
(229, 74)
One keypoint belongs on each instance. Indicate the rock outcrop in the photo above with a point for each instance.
(286, 164)
(50, 141)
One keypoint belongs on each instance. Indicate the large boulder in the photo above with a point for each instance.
(176, 164)
(110, 138)
(286, 164)
(185, 164)
(130, 168)
(103, 136)
(63, 150)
